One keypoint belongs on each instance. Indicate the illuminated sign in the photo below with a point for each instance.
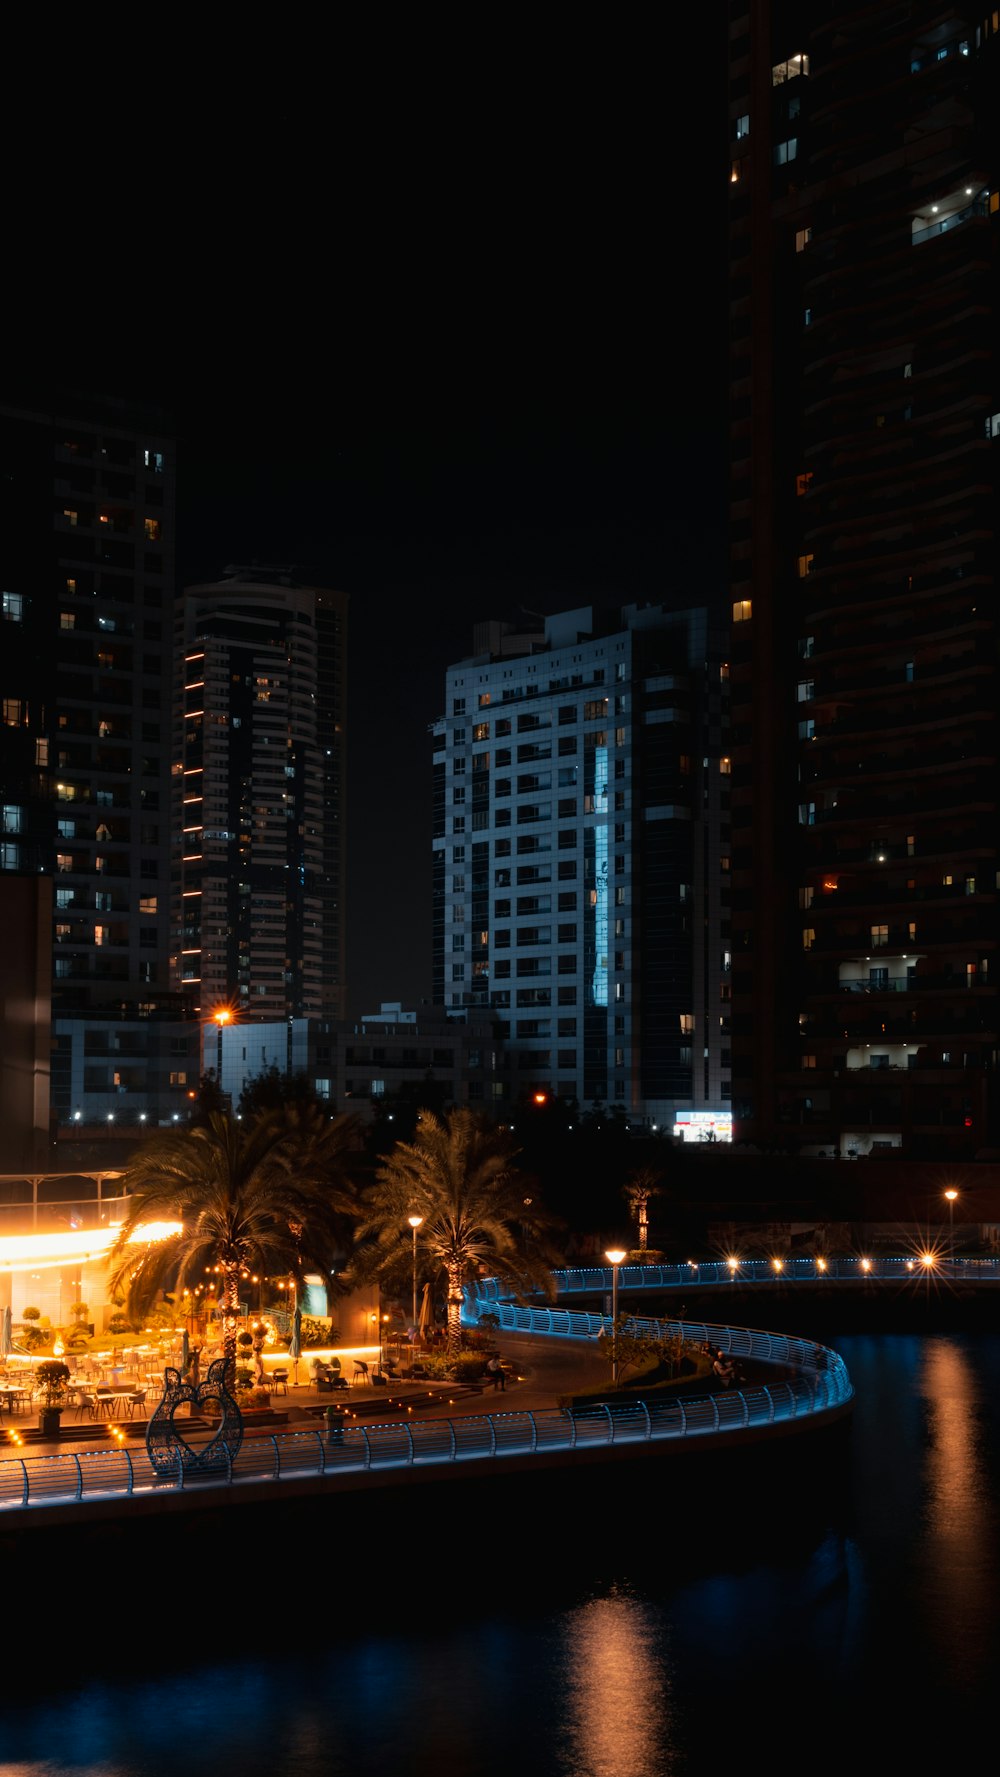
(704, 1125)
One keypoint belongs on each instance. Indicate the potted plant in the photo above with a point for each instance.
(52, 1376)
(31, 1335)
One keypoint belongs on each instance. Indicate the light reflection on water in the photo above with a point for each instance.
(636, 1646)
(617, 1688)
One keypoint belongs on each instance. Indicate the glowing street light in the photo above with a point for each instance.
(951, 1194)
(415, 1223)
(220, 1017)
(615, 1255)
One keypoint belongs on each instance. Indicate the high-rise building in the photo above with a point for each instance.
(258, 796)
(580, 808)
(86, 562)
(864, 460)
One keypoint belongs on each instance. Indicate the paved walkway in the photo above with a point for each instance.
(546, 1367)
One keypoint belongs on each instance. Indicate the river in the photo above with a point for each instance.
(828, 1607)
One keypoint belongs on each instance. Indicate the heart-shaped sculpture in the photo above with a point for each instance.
(166, 1444)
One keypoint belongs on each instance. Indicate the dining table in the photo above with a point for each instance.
(14, 1395)
(113, 1403)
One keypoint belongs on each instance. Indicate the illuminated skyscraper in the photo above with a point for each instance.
(581, 795)
(864, 499)
(86, 562)
(258, 796)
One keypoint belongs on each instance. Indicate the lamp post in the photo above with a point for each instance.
(951, 1195)
(615, 1255)
(222, 1016)
(415, 1223)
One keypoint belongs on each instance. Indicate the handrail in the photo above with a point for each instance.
(816, 1385)
(885, 1268)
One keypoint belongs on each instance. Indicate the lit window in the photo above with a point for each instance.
(993, 426)
(147, 904)
(152, 529)
(808, 1061)
(10, 856)
(880, 937)
(70, 516)
(802, 482)
(67, 620)
(13, 607)
(805, 563)
(741, 127)
(725, 767)
(13, 817)
(786, 151)
(153, 459)
(742, 610)
(13, 712)
(802, 238)
(783, 71)
(808, 937)
(41, 752)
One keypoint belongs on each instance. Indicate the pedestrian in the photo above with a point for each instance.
(494, 1370)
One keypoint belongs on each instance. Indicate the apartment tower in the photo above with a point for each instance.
(864, 462)
(580, 809)
(258, 797)
(87, 563)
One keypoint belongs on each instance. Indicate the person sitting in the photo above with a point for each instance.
(723, 1368)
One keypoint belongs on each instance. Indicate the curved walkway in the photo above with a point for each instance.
(807, 1385)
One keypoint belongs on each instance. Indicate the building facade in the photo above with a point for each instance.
(422, 1057)
(580, 854)
(864, 460)
(258, 792)
(87, 515)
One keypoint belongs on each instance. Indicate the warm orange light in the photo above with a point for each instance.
(779, 1264)
(223, 1015)
(866, 1264)
(951, 1195)
(821, 1264)
(615, 1254)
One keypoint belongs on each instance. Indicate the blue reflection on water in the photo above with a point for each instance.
(638, 1629)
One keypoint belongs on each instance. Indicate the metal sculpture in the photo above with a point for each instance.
(166, 1443)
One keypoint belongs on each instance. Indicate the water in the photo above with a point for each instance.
(823, 1609)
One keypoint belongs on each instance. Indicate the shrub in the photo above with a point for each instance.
(53, 1375)
(245, 1340)
(31, 1314)
(244, 1378)
(468, 1366)
(119, 1323)
(257, 1397)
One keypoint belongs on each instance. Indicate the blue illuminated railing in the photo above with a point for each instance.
(896, 1268)
(810, 1383)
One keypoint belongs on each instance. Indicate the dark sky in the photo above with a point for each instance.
(465, 356)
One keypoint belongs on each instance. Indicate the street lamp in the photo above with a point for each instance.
(615, 1255)
(415, 1223)
(951, 1195)
(221, 1016)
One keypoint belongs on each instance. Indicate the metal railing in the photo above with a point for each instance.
(814, 1382)
(895, 1268)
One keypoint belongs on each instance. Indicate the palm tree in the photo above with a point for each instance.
(480, 1214)
(637, 1191)
(274, 1196)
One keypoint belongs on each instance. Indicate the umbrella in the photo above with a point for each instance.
(295, 1343)
(6, 1335)
(426, 1322)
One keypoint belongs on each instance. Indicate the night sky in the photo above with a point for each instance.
(463, 358)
